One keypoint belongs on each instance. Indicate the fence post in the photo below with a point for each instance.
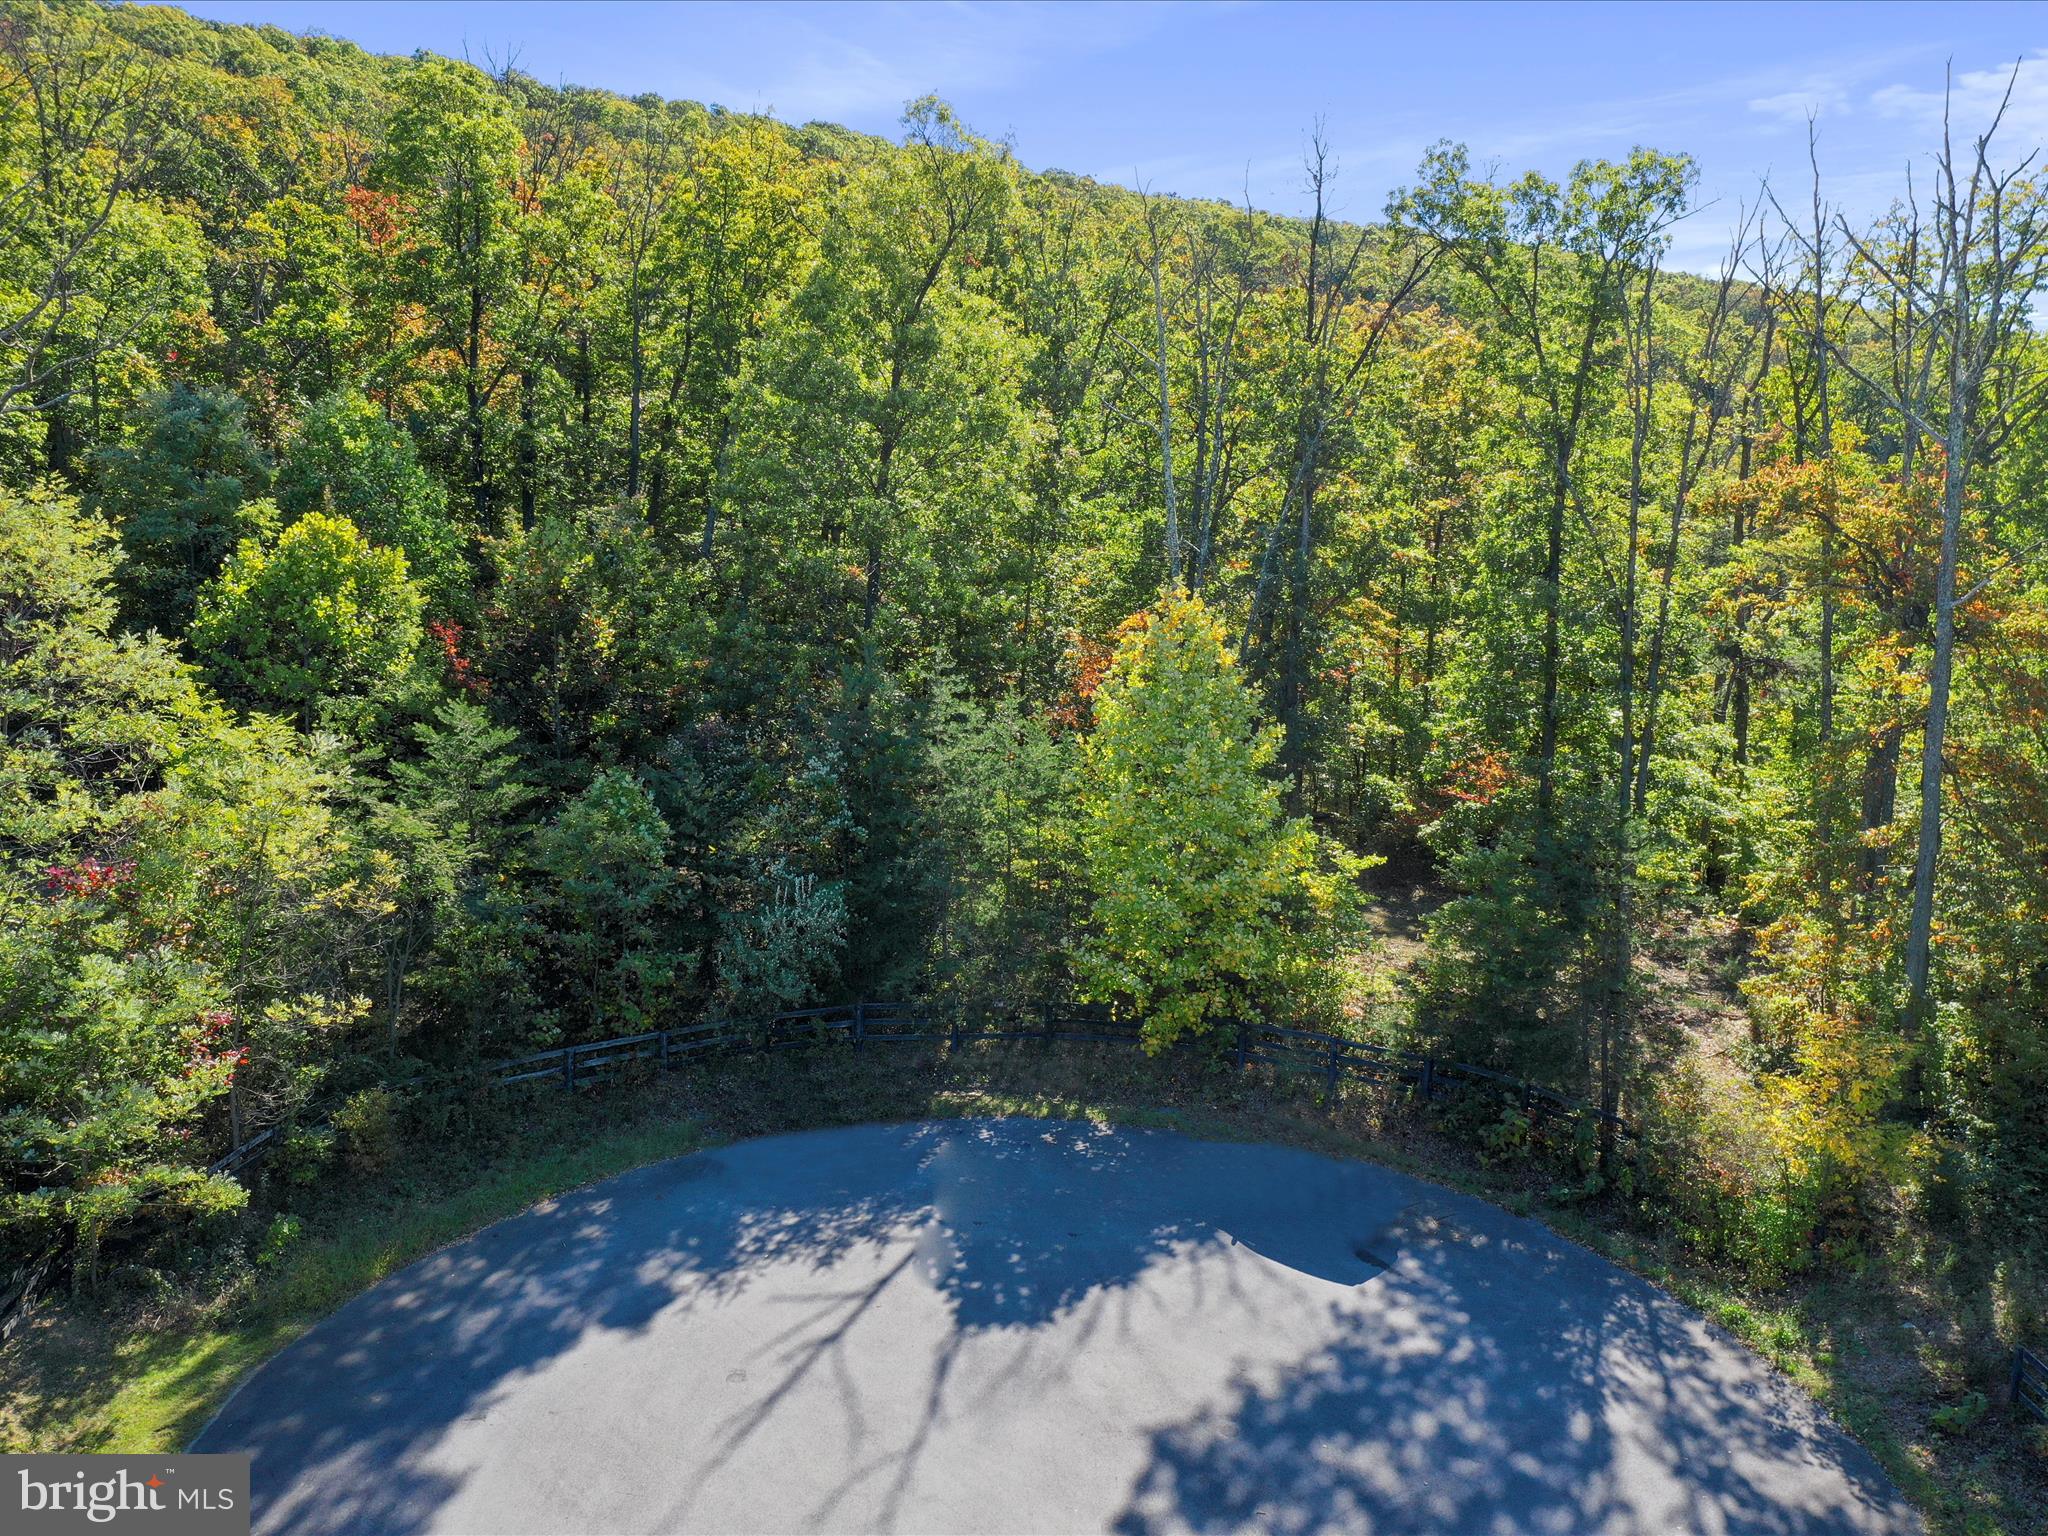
(1428, 1078)
(953, 1035)
(860, 1024)
(1241, 1030)
(569, 1067)
(1330, 1075)
(664, 1050)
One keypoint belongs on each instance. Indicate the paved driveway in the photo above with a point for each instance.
(1017, 1325)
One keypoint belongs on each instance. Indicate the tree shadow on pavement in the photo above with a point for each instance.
(1429, 1418)
(1437, 1408)
(342, 1424)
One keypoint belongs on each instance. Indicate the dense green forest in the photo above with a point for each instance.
(485, 565)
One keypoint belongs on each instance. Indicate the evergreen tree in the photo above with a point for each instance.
(610, 898)
(345, 458)
(184, 492)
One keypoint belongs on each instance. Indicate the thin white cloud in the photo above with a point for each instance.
(1973, 101)
(1384, 153)
(1666, 115)
(1812, 98)
(881, 56)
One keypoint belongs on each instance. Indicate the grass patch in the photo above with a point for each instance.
(1842, 1341)
(148, 1375)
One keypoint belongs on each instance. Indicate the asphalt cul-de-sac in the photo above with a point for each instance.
(1021, 1325)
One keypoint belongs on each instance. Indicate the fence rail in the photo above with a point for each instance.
(1335, 1058)
(2030, 1383)
(22, 1288)
(1284, 1049)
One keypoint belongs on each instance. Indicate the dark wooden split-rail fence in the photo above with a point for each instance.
(2030, 1383)
(1288, 1052)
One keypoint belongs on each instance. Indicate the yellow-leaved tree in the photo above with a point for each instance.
(1209, 903)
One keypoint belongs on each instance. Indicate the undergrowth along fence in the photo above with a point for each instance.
(1288, 1052)
(1291, 1052)
(1334, 1058)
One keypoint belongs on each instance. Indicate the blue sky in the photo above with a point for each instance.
(1214, 99)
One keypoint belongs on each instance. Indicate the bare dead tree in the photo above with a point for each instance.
(1965, 376)
(1713, 386)
(1339, 359)
(1819, 343)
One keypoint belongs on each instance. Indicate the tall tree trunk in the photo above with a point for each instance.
(871, 600)
(473, 411)
(1738, 680)
(585, 384)
(638, 363)
(1920, 928)
(1824, 808)
(1738, 666)
(718, 468)
(1552, 594)
(1165, 401)
(529, 450)
(1294, 658)
(1614, 1017)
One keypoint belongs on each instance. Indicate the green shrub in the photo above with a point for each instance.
(368, 1126)
(279, 1238)
(305, 1155)
(1962, 1416)
(1509, 1137)
(1761, 1229)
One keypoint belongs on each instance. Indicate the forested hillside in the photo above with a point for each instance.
(485, 565)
